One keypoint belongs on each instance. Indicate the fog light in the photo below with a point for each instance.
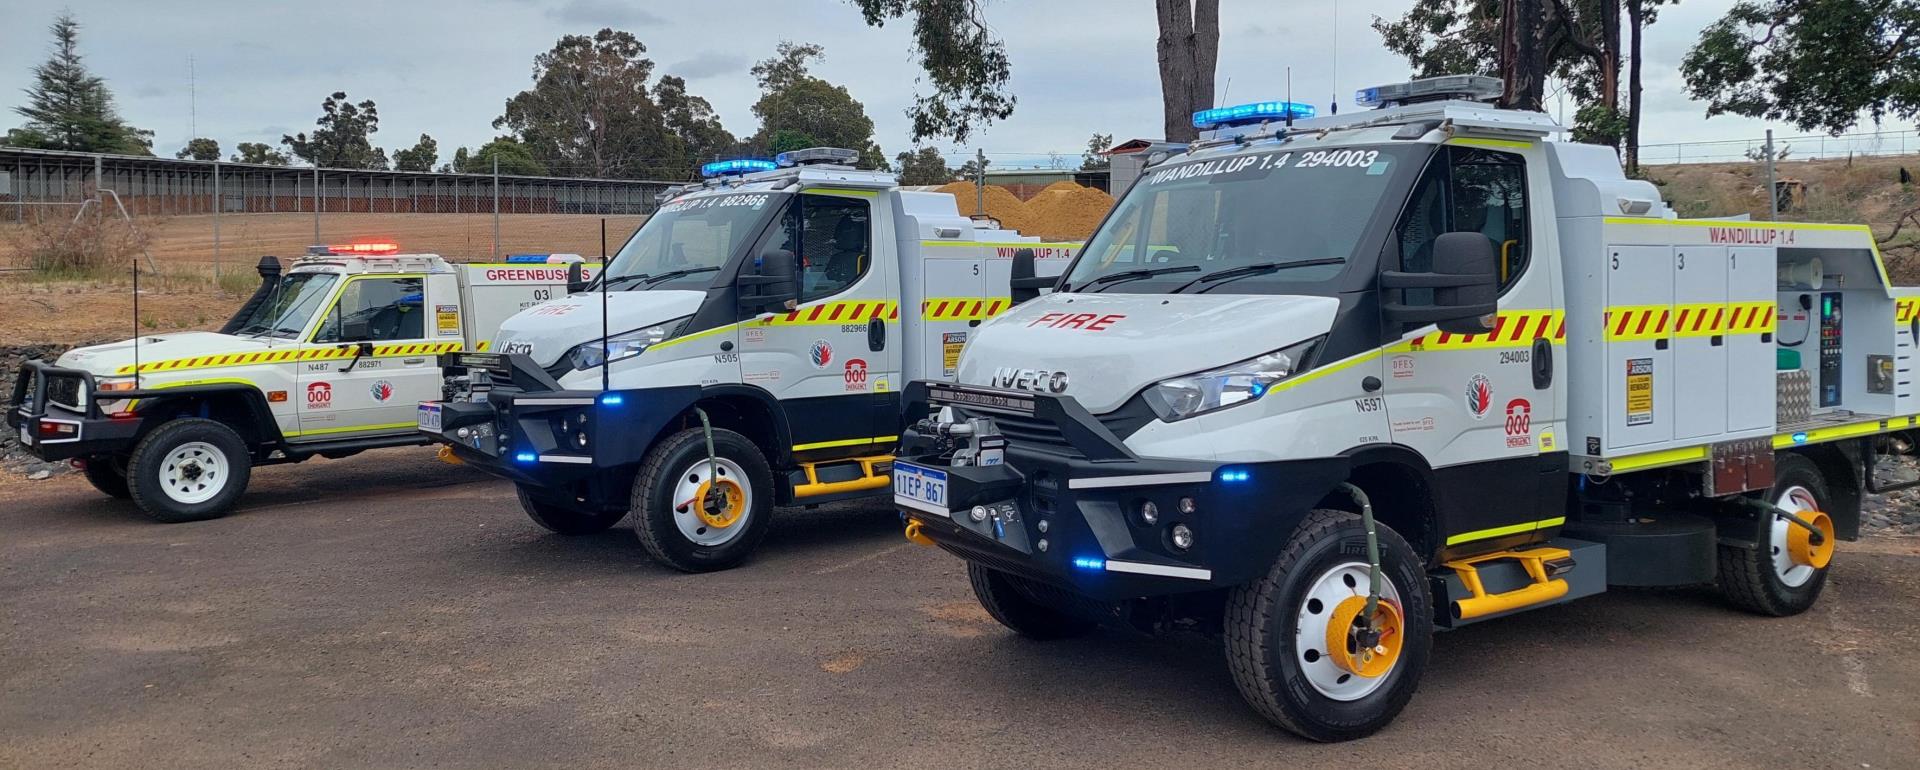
(1149, 513)
(463, 432)
(1042, 545)
(1042, 525)
(979, 513)
(1188, 506)
(580, 440)
(1182, 537)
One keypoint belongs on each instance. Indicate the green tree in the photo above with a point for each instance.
(1817, 64)
(200, 148)
(695, 135)
(516, 159)
(420, 157)
(69, 108)
(795, 106)
(962, 59)
(344, 137)
(590, 111)
(259, 153)
(1095, 158)
(924, 166)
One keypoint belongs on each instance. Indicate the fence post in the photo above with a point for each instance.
(316, 205)
(1773, 189)
(496, 207)
(218, 204)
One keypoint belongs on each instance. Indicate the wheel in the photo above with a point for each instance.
(107, 474)
(188, 469)
(1010, 600)
(1783, 575)
(565, 521)
(699, 515)
(1294, 640)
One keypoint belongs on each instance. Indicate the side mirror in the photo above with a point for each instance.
(772, 283)
(1024, 285)
(576, 280)
(1465, 283)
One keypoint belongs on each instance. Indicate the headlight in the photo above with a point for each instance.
(623, 345)
(1201, 392)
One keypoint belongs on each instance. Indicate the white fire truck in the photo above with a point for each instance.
(327, 359)
(1324, 385)
(755, 335)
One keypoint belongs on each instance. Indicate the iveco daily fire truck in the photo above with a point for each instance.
(755, 336)
(327, 359)
(1325, 384)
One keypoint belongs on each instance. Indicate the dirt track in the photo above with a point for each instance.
(389, 611)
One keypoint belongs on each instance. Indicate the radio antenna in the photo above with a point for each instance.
(1288, 110)
(606, 374)
(136, 324)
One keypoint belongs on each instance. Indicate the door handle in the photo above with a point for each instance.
(1542, 363)
(360, 350)
(876, 335)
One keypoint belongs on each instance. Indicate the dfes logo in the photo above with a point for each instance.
(319, 396)
(822, 353)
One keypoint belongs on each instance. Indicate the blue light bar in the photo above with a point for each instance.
(735, 166)
(612, 399)
(1085, 562)
(519, 259)
(1251, 113)
(526, 457)
(1234, 474)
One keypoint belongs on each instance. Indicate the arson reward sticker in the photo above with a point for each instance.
(1639, 391)
(446, 319)
(950, 345)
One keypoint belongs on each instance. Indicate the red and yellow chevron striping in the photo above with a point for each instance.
(1627, 323)
(328, 352)
(1512, 328)
(1906, 309)
(851, 311)
(963, 308)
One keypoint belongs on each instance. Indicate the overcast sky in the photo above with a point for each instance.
(445, 68)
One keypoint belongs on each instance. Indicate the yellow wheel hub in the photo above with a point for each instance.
(1343, 638)
(1800, 546)
(720, 504)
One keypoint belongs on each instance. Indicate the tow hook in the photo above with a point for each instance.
(915, 536)
(447, 456)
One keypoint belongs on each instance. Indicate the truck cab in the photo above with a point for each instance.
(327, 358)
(1325, 384)
(746, 348)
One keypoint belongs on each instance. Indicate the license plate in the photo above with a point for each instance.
(429, 417)
(920, 488)
(26, 438)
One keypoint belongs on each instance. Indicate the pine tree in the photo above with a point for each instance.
(69, 108)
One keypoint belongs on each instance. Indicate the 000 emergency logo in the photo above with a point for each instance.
(319, 396)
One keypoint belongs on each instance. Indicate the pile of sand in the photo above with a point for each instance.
(1001, 205)
(1065, 211)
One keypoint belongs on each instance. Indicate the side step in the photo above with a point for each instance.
(1505, 582)
(830, 480)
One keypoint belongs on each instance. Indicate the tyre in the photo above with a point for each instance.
(188, 469)
(107, 474)
(699, 515)
(1292, 635)
(566, 521)
(1010, 600)
(1783, 574)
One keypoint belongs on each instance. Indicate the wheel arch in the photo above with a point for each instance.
(1839, 466)
(748, 411)
(239, 406)
(1399, 485)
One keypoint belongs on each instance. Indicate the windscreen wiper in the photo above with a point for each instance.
(1257, 268)
(672, 274)
(1128, 275)
(620, 279)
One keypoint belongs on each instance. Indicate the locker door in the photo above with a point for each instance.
(1639, 359)
(1751, 389)
(1699, 341)
(954, 289)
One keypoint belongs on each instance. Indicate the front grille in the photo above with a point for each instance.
(1032, 433)
(64, 390)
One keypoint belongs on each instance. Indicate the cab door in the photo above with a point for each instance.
(833, 360)
(367, 365)
(1483, 409)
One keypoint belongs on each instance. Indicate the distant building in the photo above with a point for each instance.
(1126, 160)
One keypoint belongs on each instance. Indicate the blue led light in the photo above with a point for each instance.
(527, 259)
(735, 166)
(1251, 113)
(1234, 474)
(1257, 390)
(526, 457)
(1800, 438)
(612, 399)
(1086, 562)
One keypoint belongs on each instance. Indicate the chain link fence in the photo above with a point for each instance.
(1806, 147)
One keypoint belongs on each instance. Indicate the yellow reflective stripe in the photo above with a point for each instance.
(1735, 223)
(1515, 529)
(1658, 459)
(1004, 245)
(1505, 144)
(221, 361)
(349, 429)
(1906, 309)
(843, 442)
(691, 336)
(963, 308)
(1849, 430)
(841, 191)
(1511, 329)
(843, 312)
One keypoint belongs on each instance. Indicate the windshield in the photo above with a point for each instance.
(1244, 223)
(293, 301)
(688, 240)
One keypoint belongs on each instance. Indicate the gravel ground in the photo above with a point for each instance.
(390, 611)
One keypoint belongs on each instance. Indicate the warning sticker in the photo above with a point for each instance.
(446, 319)
(950, 345)
(1639, 391)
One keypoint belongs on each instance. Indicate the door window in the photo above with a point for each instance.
(834, 243)
(375, 310)
(1467, 190)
